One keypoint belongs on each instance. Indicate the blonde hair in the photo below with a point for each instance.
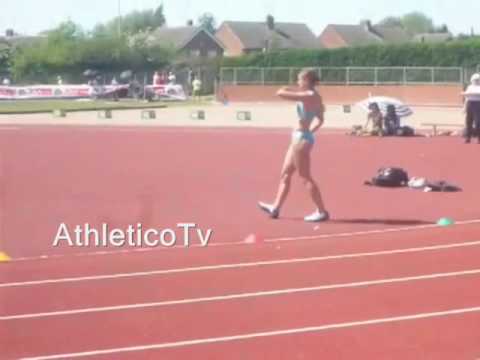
(311, 75)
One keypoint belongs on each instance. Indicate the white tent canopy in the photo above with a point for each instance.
(383, 102)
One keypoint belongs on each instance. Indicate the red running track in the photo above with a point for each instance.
(381, 291)
(213, 177)
(345, 290)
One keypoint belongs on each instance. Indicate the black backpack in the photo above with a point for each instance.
(390, 177)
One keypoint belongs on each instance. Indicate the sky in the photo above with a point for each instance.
(32, 16)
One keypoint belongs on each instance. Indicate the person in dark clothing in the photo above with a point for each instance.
(391, 121)
(473, 121)
(472, 109)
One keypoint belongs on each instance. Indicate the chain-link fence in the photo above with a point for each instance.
(345, 75)
(210, 76)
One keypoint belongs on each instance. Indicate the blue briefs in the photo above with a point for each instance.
(299, 135)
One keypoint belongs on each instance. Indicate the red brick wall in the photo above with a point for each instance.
(330, 39)
(233, 45)
(442, 95)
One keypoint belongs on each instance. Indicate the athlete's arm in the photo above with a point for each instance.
(320, 120)
(291, 94)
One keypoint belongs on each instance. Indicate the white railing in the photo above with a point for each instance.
(344, 75)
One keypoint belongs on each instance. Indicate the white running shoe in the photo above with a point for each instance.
(269, 209)
(318, 216)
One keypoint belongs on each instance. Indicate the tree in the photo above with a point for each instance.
(61, 45)
(391, 21)
(159, 16)
(417, 23)
(414, 23)
(66, 31)
(68, 51)
(133, 23)
(100, 30)
(6, 54)
(150, 56)
(443, 29)
(207, 21)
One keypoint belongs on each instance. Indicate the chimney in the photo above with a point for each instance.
(367, 25)
(270, 22)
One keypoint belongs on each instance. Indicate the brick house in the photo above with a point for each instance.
(337, 36)
(242, 38)
(193, 41)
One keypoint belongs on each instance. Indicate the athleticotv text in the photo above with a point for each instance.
(182, 235)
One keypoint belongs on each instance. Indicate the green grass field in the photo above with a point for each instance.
(47, 106)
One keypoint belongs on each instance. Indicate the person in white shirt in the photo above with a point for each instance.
(197, 88)
(172, 78)
(472, 109)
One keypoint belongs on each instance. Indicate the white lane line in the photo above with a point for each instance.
(122, 252)
(239, 265)
(369, 232)
(243, 337)
(243, 243)
(242, 295)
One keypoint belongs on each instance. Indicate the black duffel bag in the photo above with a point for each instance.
(390, 177)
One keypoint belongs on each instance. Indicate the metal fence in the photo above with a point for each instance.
(345, 75)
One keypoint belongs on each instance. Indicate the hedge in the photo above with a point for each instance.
(459, 53)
